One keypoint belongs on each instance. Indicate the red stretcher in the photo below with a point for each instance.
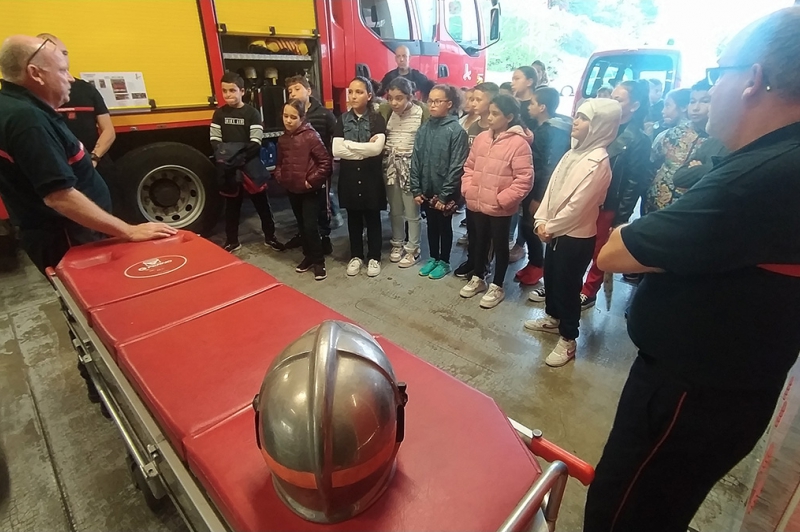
(177, 335)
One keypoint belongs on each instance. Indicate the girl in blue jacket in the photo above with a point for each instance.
(437, 164)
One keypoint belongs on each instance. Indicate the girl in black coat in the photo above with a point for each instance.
(358, 141)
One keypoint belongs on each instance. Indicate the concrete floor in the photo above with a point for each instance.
(67, 464)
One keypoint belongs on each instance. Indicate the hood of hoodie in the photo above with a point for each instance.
(604, 115)
(564, 123)
(517, 130)
(443, 120)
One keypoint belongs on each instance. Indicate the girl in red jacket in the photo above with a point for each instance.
(304, 167)
(497, 177)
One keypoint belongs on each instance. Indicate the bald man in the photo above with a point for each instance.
(47, 180)
(402, 56)
(716, 316)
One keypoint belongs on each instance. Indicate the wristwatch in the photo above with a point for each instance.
(95, 157)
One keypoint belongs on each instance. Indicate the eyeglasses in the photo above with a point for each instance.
(437, 103)
(713, 74)
(39, 49)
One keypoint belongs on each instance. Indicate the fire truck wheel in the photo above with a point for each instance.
(172, 183)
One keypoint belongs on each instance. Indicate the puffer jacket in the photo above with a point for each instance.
(302, 158)
(499, 172)
(437, 164)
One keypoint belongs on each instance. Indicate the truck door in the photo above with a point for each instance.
(427, 15)
(461, 63)
(390, 23)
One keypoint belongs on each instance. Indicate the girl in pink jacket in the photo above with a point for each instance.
(567, 222)
(497, 177)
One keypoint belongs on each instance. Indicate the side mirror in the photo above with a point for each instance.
(571, 90)
(494, 25)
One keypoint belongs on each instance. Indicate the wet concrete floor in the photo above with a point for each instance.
(67, 463)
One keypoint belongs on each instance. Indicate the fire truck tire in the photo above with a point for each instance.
(172, 183)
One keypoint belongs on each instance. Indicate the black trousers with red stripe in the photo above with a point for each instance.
(668, 447)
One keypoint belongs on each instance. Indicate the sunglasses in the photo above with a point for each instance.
(39, 49)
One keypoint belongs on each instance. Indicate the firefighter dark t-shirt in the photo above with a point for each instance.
(81, 111)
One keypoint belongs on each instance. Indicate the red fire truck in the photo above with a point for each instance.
(158, 63)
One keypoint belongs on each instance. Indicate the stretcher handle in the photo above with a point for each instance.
(547, 450)
(550, 487)
(578, 469)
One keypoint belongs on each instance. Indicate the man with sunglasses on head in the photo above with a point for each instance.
(47, 179)
(716, 316)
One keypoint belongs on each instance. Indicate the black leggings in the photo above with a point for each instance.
(440, 234)
(488, 231)
(233, 211)
(565, 262)
(356, 220)
(306, 210)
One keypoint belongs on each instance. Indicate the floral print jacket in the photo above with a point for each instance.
(671, 149)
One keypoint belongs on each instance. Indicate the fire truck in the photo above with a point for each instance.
(158, 64)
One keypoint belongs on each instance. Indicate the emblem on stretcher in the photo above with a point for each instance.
(155, 267)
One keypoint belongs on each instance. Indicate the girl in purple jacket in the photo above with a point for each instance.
(497, 177)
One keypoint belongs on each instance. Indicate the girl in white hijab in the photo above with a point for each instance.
(567, 222)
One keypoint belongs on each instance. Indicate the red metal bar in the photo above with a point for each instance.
(551, 452)
(208, 19)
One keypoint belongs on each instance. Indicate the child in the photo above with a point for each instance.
(437, 165)
(304, 168)
(468, 116)
(524, 82)
(358, 140)
(674, 113)
(236, 134)
(506, 88)
(551, 140)
(483, 95)
(497, 176)
(323, 121)
(604, 91)
(567, 221)
(404, 116)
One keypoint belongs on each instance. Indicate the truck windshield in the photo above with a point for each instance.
(461, 21)
(388, 19)
(611, 70)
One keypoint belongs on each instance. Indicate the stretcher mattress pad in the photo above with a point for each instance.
(129, 319)
(199, 373)
(108, 271)
(461, 465)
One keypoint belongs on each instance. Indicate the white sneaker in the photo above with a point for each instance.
(538, 295)
(374, 268)
(493, 297)
(397, 254)
(354, 267)
(409, 259)
(563, 353)
(475, 286)
(547, 324)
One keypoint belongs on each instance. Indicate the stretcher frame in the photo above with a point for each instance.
(164, 474)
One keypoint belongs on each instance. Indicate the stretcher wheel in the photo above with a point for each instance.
(155, 504)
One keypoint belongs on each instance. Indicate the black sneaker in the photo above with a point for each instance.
(320, 274)
(464, 271)
(274, 243)
(327, 246)
(587, 302)
(295, 242)
(632, 278)
(304, 266)
(230, 247)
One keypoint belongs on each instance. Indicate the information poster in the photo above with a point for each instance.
(120, 90)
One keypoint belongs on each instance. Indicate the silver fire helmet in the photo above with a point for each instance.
(329, 421)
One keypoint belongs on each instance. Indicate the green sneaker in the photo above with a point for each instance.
(428, 267)
(440, 271)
